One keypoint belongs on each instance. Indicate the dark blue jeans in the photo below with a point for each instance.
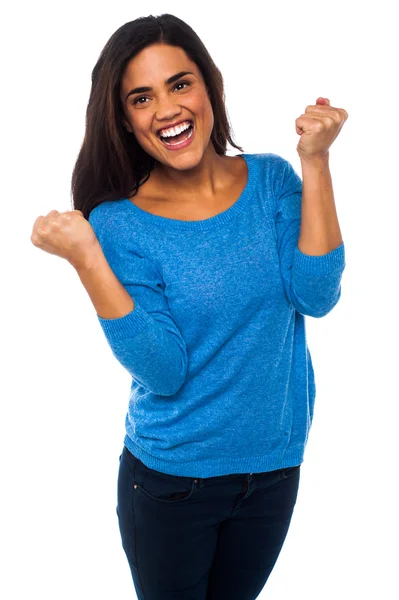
(215, 538)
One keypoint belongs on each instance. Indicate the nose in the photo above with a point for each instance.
(167, 110)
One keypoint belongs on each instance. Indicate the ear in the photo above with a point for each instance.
(127, 126)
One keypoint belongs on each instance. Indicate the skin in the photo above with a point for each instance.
(196, 179)
(196, 173)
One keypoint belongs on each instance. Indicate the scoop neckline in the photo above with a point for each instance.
(217, 220)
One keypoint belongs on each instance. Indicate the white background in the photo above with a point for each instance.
(64, 396)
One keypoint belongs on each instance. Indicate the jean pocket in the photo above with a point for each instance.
(289, 471)
(162, 487)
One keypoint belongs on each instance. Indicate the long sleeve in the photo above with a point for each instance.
(312, 283)
(146, 341)
(222, 376)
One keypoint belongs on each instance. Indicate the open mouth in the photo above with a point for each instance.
(175, 140)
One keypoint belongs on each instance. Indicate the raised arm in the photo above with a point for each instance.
(110, 299)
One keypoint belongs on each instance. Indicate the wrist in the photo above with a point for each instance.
(315, 161)
(92, 260)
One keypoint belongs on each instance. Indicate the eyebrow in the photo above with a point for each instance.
(140, 90)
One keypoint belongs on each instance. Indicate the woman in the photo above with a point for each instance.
(201, 268)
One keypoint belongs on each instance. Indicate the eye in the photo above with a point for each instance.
(139, 98)
(136, 101)
(182, 83)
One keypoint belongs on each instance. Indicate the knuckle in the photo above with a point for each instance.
(35, 241)
(342, 114)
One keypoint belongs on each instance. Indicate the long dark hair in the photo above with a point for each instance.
(111, 164)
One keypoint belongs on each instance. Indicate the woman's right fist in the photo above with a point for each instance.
(67, 234)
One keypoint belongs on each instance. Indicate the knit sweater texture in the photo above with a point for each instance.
(222, 376)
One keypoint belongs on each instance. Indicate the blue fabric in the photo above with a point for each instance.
(222, 377)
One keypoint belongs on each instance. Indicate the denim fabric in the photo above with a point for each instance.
(213, 538)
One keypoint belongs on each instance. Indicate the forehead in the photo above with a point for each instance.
(156, 63)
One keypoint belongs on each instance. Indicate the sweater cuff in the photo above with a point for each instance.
(127, 326)
(324, 264)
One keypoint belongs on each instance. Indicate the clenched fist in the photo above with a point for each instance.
(67, 234)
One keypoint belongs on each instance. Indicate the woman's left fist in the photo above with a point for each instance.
(318, 128)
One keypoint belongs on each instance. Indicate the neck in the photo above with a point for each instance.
(203, 180)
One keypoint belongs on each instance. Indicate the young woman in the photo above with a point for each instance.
(201, 268)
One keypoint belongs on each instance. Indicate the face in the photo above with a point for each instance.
(183, 99)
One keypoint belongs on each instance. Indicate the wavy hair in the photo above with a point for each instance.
(111, 164)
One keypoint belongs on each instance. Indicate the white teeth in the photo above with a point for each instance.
(175, 130)
(170, 143)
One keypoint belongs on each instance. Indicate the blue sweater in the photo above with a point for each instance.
(222, 377)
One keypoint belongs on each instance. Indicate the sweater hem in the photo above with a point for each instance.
(322, 264)
(280, 459)
(127, 326)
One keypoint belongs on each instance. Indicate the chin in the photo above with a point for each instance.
(181, 162)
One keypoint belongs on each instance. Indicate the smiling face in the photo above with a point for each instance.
(182, 98)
